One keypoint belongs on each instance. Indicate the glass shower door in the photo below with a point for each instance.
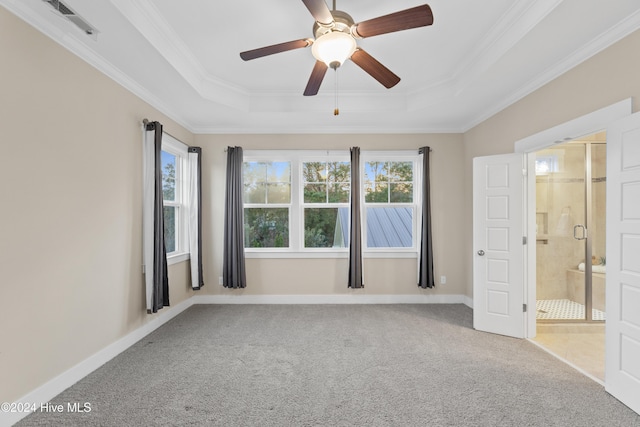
(562, 233)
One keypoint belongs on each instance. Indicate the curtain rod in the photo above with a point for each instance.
(313, 149)
(146, 121)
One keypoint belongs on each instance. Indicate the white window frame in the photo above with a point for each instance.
(180, 150)
(267, 157)
(324, 157)
(392, 156)
(296, 247)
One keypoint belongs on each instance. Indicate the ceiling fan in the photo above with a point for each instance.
(335, 41)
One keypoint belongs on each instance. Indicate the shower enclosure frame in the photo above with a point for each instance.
(587, 229)
(588, 252)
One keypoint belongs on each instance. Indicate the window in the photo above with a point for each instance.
(326, 186)
(169, 199)
(297, 202)
(389, 202)
(267, 203)
(174, 168)
(547, 164)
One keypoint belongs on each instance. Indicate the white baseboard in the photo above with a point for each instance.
(333, 299)
(57, 385)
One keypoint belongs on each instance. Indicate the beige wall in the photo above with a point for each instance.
(70, 250)
(602, 80)
(329, 276)
(70, 280)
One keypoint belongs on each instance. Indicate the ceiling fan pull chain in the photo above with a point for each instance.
(336, 110)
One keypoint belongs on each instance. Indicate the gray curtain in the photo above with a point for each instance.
(355, 232)
(195, 216)
(160, 276)
(425, 275)
(233, 268)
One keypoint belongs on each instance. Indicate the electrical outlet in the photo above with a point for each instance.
(220, 280)
(443, 280)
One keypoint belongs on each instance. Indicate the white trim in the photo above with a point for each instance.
(52, 388)
(386, 253)
(249, 253)
(584, 125)
(178, 257)
(593, 47)
(180, 150)
(171, 145)
(353, 297)
(409, 155)
(516, 23)
(329, 254)
(530, 249)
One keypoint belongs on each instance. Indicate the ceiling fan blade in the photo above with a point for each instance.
(317, 75)
(319, 10)
(419, 16)
(375, 69)
(276, 48)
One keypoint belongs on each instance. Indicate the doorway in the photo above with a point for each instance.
(622, 245)
(570, 251)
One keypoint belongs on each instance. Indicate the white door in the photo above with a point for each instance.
(622, 375)
(498, 230)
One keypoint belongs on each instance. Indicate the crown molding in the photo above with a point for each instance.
(73, 40)
(598, 44)
(145, 17)
(516, 23)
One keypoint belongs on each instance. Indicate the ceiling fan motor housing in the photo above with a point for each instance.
(342, 22)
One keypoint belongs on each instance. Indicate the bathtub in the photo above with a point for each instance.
(575, 286)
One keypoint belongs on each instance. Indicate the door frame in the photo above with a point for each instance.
(588, 124)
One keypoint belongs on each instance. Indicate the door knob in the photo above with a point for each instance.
(481, 252)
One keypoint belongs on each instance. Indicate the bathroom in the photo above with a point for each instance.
(570, 250)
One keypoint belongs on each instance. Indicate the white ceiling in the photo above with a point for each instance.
(476, 59)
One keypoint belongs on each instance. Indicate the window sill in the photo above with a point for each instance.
(177, 258)
(327, 255)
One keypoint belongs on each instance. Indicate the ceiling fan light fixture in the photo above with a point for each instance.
(333, 48)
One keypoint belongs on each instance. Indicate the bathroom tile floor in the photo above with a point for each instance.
(558, 309)
(581, 345)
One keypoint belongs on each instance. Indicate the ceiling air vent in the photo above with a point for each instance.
(69, 14)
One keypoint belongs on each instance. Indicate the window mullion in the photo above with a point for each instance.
(295, 220)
